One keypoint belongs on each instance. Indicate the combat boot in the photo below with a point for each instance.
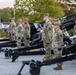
(58, 68)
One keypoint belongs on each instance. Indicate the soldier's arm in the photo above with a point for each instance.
(50, 32)
(9, 29)
(28, 32)
(60, 39)
(14, 27)
(20, 29)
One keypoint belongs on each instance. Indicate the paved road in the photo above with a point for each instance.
(9, 68)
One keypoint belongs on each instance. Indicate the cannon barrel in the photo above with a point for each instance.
(66, 50)
(4, 40)
(8, 44)
(69, 24)
(67, 16)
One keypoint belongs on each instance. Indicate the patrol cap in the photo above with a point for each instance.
(19, 20)
(56, 21)
(12, 19)
(46, 14)
(26, 19)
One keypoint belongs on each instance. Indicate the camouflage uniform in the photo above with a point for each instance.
(74, 33)
(58, 44)
(12, 31)
(26, 35)
(19, 35)
(47, 36)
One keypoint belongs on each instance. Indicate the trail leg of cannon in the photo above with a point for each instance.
(14, 58)
(23, 64)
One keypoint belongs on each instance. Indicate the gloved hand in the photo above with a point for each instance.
(28, 38)
(22, 40)
(13, 34)
(52, 52)
(18, 38)
(59, 49)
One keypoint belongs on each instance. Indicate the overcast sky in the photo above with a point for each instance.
(6, 3)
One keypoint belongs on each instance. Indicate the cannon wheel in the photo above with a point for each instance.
(66, 40)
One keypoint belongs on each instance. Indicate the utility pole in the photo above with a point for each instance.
(14, 8)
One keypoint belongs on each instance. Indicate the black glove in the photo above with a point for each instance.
(52, 52)
(13, 34)
(18, 38)
(27, 38)
(22, 40)
(47, 43)
(59, 49)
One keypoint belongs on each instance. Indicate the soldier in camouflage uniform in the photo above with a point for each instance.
(47, 37)
(58, 43)
(74, 33)
(26, 32)
(19, 33)
(12, 29)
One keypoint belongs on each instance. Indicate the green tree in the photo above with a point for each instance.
(6, 14)
(34, 9)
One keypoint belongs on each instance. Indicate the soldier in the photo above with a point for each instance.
(58, 43)
(47, 37)
(19, 34)
(12, 29)
(74, 33)
(26, 32)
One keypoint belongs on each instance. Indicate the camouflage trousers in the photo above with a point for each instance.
(48, 53)
(57, 54)
(19, 42)
(12, 36)
(26, 42)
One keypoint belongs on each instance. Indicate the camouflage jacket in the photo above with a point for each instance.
(12, 28)
(26, 31)
(58, 39)
(47, 34)
(19, 32)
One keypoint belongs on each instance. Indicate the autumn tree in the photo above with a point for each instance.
(69, 6)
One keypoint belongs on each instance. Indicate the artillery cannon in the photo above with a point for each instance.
(35, 66)
(30, 51)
